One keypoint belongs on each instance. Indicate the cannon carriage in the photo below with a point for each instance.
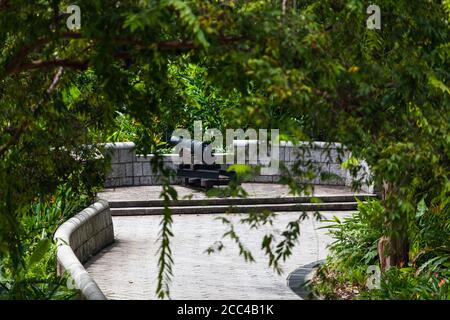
(194, 170)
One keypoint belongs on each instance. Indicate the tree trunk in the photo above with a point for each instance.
(393, 250)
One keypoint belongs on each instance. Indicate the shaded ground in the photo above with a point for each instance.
(253, 189)
(128, 268)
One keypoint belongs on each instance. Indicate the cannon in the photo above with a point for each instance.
(196, 172)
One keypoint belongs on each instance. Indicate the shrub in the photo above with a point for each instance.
(344, 274)
(29, 272)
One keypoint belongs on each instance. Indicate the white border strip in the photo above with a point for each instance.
(67, 258)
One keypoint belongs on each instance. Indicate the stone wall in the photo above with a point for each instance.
(80, 238)
(130, 169)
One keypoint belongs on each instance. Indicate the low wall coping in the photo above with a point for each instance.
(119, 145)
(319, 144)
(66, 256)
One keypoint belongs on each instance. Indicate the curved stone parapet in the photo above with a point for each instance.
(78, 239)
(131, 169)
(300, 279)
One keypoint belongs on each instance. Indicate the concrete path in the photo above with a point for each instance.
(128, 268)
(254, 190)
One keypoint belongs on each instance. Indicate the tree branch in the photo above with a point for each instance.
(4, 4)
(14, 66)
(17, 64)
(55, 81)
(14, 139)
(39, 64)
(18, 132)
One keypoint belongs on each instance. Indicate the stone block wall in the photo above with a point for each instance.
(130, 169)
(80, 238)
(323, 158)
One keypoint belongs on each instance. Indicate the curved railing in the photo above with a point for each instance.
(78, 239)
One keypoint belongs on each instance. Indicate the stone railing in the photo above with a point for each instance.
(78, 239)
(131, 169)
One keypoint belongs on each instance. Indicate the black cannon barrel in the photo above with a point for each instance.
(191, 144)
(199, 171)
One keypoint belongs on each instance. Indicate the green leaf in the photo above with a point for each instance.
(438, 84)
(39, 252)
(239, 168)
(421, 208)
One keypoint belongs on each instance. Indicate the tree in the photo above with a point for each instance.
(383, 93)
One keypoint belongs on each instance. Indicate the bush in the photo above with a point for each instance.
(344, 274)
(29, 272)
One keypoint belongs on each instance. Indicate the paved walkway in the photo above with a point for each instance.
(254, 190)
(128, 268)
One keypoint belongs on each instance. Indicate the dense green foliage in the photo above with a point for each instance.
(199, 100)
(28, 270)
(315, 71)
(344, 275)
